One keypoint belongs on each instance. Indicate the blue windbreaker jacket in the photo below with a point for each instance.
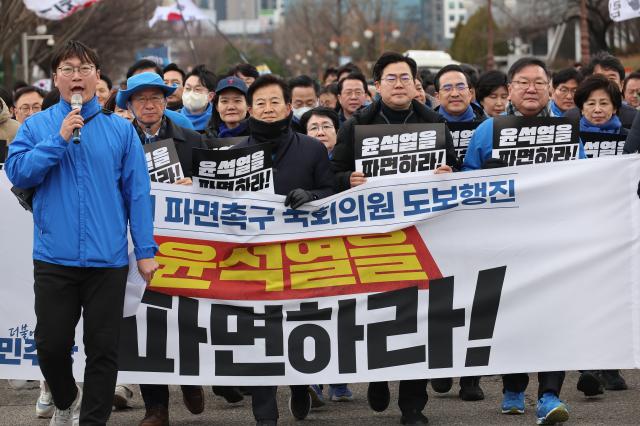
(84, 193)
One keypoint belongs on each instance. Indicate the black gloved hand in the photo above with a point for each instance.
(298, 197)
(494, 163)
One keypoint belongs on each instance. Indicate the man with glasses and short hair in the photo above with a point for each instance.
(564, 83)
(90, 192)
(529, 97)
(146, 65)
(27, 101)
(454, 94)
(394, 77)
(352, 95)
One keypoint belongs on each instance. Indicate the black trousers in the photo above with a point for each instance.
(548, 381)
(264, 402)
(61, 294)
(412, 395)
(157, 395)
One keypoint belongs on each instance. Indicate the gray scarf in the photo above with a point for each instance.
(544, 112)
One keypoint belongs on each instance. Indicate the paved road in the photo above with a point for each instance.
(612, 408)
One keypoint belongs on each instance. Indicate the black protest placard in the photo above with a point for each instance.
(163, 162)
(224, 143)
(602, 144)
(399, 149)
(531, 140)
(3, 152)
(461, 133)
(241, 169)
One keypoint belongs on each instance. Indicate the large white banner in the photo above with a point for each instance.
(532, 268)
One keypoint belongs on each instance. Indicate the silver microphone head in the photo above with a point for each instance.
(76, 101)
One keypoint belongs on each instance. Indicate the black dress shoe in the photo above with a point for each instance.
(590, 384)
(442, 385)
(378, 396)
(231, 394)
(470, 389)
(193, 397)
(300, 403)
(613, 380)
(414, 418)
(156, 416)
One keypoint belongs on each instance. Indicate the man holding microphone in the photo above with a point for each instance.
(86, 194)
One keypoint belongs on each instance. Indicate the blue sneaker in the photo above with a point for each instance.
(513, 403)
(551, 410)
(340, 393)
(317, 399)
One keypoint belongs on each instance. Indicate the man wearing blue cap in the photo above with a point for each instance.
(146, 98)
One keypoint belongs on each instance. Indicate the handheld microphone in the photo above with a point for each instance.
(76, 103)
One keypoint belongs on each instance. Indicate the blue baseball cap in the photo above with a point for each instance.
(145, 80)
(231, 82)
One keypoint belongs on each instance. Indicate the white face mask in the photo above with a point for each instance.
(195, 101)
(298, 112)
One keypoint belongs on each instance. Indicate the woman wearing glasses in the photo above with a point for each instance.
(322, 123)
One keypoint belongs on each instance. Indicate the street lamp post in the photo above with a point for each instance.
(40, 30)
(369, 34)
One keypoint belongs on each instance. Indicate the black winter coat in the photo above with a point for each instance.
(299, 162)
(632, 145)
(343, 161)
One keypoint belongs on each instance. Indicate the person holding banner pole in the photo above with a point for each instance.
(88, 192)
(394, 76)
(302, 173)
(529, 97)
(146, 99)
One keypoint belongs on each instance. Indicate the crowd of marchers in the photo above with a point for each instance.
(80, 258)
